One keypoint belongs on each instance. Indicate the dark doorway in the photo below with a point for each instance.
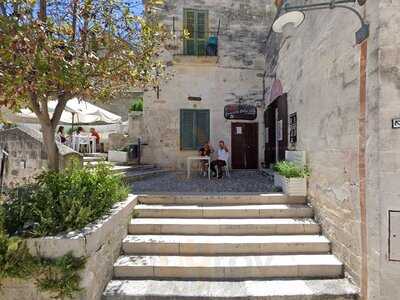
(245, 145)
(276, 130)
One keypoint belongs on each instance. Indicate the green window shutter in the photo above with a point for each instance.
(195, 128)
(202, 34)
(196, 23)
(190, 26)
(188, 141)
(202, 127)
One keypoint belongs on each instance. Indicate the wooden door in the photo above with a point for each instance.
(244, 145)
(276, 130)
(270, 131)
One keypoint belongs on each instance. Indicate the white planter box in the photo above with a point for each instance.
(118, 156)
(291, 186)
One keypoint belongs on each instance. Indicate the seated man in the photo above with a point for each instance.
(222, 160)
(206, 150)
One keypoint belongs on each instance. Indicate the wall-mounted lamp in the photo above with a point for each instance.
(294, 15)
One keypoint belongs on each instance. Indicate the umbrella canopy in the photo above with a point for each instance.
(76, 112)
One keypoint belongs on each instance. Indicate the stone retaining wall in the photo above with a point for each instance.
(100, 242)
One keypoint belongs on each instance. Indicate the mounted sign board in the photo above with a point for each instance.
(293, 128)
(190, 98)
(394, 236)
(396, 123)
(240, 112)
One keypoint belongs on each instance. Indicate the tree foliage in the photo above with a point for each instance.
(60, 49)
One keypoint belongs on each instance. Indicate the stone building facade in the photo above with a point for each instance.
(318, 65)
(207, 83)
(27, 155)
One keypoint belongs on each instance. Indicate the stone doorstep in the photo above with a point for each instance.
(234, 211)
(332, 289)
(223, 226)
(224, 245)
(85, 241)
(221, 199)
(228, 267)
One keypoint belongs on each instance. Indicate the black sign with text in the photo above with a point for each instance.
(240, 112)
(396, 123)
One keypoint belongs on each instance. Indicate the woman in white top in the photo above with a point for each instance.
(222, 159)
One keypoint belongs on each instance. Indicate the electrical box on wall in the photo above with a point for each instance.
(394, 235)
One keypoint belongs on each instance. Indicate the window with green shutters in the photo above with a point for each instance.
(195, 128)
(196, 23)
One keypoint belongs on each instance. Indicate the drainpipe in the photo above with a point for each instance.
(362, 168)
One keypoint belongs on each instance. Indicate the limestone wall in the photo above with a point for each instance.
(235, 76)
(318, 64)
(386, 160)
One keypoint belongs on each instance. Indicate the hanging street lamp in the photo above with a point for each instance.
(294, 15)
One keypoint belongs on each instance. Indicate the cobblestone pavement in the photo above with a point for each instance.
(176, 182)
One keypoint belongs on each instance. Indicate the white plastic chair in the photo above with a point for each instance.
(226, 169)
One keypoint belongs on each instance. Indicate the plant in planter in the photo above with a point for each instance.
(56, 203)
(137, 105)
(291, 178)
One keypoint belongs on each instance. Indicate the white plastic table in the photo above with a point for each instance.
(199, 158)
(78, 140)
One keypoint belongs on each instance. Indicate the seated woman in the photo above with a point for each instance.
(60, 137)
(206, 150)
(222, 160)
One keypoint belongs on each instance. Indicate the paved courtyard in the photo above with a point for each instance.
(176, 182)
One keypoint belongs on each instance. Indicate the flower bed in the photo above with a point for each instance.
(60, 235)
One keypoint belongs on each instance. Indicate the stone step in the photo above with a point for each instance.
(218, 199)
(223, 226)
(224, 245)
(93, 159)
(329, 289)
(137, 175)
(229, 267)
(233, 211)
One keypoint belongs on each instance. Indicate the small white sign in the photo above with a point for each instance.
(396, 123)
(267, 135)
(238, 130)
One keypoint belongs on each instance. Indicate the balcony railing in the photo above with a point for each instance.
(204, 43)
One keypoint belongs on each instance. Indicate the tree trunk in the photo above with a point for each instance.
(49, 141)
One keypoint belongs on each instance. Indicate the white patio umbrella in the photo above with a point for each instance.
(76, 112)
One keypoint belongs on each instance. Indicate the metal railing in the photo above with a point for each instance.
(182, 44)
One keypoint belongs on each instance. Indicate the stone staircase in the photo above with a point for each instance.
(226, 247)
(131, 172)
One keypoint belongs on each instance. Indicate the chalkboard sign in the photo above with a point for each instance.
(240, 112)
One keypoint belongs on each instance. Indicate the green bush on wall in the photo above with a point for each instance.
(291, 170)
(56, 203)
(137, 105)
(62, 201)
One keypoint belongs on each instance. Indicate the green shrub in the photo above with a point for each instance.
(291, 170)
(137, 105)
(62, 202)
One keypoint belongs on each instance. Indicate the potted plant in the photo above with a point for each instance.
(119, 155)
(291, 178)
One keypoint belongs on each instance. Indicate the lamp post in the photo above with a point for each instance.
(294, 15)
